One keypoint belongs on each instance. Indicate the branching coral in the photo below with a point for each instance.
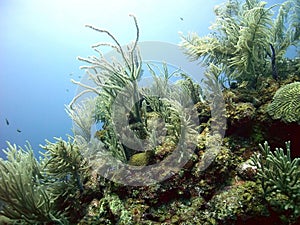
(280, 178)
(286, 103)
(23, 191)
(114, 77)
(247, 42)
(66, 171)
(65, 164)
(83, 117)
(115, 82)
(121, 105)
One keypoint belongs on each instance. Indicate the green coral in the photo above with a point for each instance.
(286, 103)
(280, 179)
(25, 196)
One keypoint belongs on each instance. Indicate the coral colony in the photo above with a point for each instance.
(100, 177)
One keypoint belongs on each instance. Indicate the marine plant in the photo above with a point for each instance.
(286, 103)
(279, 175)
(23, 191)
(246, 41)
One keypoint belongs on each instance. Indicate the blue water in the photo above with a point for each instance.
(39, 43)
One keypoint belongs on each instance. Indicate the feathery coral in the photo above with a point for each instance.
(22, 190)
(247, 42)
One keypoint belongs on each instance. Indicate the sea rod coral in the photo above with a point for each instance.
(22, 190)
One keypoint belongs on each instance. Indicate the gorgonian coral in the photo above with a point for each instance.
(247, 42)
(25, 196)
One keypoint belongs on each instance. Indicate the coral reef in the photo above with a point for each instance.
(215, 179)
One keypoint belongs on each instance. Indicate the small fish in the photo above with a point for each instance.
(7, 122)
(19, 131)
(181, 18)
(67, 90)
